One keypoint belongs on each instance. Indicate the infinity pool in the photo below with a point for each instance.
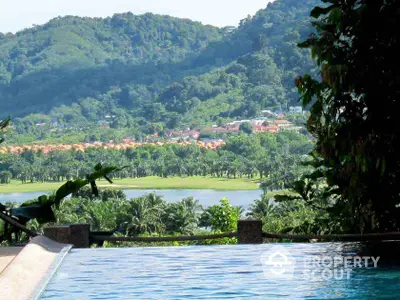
(219, 272)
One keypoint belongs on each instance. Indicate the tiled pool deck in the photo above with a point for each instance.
(7, 255)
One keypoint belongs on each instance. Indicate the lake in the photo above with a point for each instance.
(205, 197)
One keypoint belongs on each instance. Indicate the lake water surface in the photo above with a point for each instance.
(205, 197)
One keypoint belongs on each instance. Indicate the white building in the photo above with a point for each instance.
(295, 109)
(235, 123)
(268, 112)
(257, 122)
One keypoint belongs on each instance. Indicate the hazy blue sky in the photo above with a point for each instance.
(19, 14)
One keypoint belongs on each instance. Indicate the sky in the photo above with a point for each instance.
(16, 15)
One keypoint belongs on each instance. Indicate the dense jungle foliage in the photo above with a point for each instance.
(354, 115)
(150, 215)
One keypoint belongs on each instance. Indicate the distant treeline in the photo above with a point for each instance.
(274, 158)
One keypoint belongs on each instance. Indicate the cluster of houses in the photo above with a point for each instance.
(272, 122)
(46, 149)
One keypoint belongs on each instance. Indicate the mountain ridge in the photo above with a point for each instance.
(129, 65)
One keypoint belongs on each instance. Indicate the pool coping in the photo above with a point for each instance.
(28, 274)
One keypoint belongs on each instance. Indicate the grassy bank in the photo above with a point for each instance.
(201, 183)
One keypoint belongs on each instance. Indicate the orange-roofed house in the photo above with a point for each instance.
(282, 123)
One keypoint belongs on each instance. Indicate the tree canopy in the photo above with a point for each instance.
(354, 113)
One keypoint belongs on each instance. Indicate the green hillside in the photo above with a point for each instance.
(153, 72)
(71, 58)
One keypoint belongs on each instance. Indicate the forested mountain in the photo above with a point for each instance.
(71, 58)
(153, 72)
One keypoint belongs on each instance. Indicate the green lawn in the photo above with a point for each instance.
(201, 183)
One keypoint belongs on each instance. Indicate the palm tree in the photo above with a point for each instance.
(262, 209)
(71, 211)
(183, 216)
(146, 214)
(5, 177)
(3, 126)
(101, 215)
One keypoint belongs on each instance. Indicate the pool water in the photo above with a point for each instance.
(201, 272)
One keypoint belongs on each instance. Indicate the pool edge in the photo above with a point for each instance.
(42, 285)
(28, 274)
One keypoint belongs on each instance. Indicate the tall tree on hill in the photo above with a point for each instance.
(3, 126)
(246, 128)
(354, 111)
